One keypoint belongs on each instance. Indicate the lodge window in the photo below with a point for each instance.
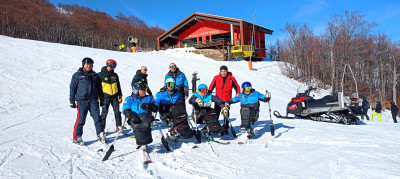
(189, 41)
(225, 36)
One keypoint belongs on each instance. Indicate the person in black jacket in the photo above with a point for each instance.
(394, 111)
(365, 106)
(378, 110)
(112, 92)
(141, 75)
(85, 94)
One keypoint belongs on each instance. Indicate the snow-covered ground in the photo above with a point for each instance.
(36, 125)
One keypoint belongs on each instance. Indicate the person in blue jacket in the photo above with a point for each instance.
(203, 111)
(181, 82)
(137, 109)
(172, 109)
(249, 106)
(85, 94)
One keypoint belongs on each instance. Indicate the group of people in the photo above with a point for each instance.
(378, 109)
(89, 90)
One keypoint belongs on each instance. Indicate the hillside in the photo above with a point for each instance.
(37, 124)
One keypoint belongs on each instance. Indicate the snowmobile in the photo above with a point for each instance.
(331, 108)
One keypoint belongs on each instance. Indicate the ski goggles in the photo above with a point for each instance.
(248, 88)
(113, 65)
(170, 84)
(173, 66)
(203, 90)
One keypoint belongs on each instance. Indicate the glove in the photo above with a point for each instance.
(153, 107)
(101, 102)
(145, 106)
(120, 99)
(199, 102)
(132, 117)
(72, 104)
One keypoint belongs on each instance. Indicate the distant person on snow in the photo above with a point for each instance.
(224, 82)
(112, 92)
(180, 79)
(85, 94)
(378, 110)
(204, 112)
(141, 75)
(137, 109)
(365, 106)
(249, 106)
(172, 109)
(394, 111)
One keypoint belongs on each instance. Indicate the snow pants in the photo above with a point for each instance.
(210, 117)
(104, 110)
(83, 107)
(179, 119)
(394, 116)
(143, 129)
(249, 115)
(376, 114)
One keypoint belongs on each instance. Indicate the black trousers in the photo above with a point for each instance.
(394, 118)
(218, 110)
(113, 101)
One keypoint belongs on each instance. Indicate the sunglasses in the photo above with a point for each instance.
(170, 84)
(203, 90)
(173, 66)
(247, 88)
(144, 69)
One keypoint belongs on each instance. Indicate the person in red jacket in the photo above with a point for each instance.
(224, 82)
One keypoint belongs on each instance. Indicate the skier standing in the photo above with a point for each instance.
(250, 106)
(203, 111)
(137, 109)
(112, 92)
(86, 94)
(141, 75)
(180, 79)
(172, 109)
(378, 110)
(365, 106)
(224, 82)
(394, 111)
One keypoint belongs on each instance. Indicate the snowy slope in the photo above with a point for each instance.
(36, 125)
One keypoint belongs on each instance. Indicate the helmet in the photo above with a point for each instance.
(246, 86)
(202, 86)
(138, 86)
(87, 60)
(111, 63)
(170, 82)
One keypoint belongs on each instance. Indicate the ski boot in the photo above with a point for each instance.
(78, 141)
(102, 137)
(248, 131)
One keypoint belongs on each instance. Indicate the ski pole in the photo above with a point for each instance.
(163, 141)
(271, 125)
(198, 133)
(111, 149)
(226, 116)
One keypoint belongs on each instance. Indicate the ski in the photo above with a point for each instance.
(215, 141)
(147, 159)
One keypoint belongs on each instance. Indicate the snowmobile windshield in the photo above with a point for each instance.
(301, 89)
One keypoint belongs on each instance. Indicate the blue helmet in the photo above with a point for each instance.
(202, 86)
(138, 86)
(246, 86)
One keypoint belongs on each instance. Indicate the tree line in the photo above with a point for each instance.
(73, 25)
(348, 39)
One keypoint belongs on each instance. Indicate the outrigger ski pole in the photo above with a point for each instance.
(111, 149)
(163, 141)
(197, 135)
(226, 116)
(271, 125)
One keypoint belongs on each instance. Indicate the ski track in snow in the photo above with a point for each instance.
(37, 124)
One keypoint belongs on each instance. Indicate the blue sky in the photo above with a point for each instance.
(272, 14)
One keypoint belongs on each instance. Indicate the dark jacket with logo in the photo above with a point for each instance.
(110, 83)
(143, 79)
(85, 86)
